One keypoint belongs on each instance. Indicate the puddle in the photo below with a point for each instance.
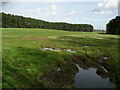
(69, 50)
(99, 38)
(86, 46)
(90, 79)
(51, 49)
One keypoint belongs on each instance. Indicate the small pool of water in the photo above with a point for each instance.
(51, 49)
(90, 79)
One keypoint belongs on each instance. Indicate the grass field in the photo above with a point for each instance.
(25, 64)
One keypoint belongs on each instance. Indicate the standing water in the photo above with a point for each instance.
(90, 79)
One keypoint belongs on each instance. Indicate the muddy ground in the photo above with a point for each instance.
(65, 79)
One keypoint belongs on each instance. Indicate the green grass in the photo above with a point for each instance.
(24, 62)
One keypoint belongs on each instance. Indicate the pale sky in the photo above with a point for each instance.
(97, 13)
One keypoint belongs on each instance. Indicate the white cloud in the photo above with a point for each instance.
(106, 7)
(94, 19)
(54, 7)
(66, 19)
(35, 11)
(59, 19)
(103, 12)
(72, 13)
(119, 8)
(51, 10)
(52, 0)
(54, 13)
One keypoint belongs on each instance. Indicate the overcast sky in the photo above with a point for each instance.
(97, 13)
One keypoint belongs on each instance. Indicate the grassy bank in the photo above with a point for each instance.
(26, 65)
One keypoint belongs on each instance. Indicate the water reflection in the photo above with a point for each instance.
(90, 79)
(51, 49)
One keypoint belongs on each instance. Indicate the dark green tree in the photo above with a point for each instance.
(14, 21)
(113, 27)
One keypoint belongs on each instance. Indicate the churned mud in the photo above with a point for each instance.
(82, 74)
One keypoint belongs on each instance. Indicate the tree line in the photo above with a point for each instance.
(113, 27)
(15, 21)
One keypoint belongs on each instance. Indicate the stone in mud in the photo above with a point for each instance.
(101, 59)
(59, 69)
(105, 58)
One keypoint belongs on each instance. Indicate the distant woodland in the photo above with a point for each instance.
(14, 21)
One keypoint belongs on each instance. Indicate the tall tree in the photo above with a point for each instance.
(14, 21)
(113, 27)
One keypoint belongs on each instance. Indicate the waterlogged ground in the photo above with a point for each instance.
(88, 78)
(46, 58)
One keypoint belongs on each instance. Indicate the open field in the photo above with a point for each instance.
(26, 65)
